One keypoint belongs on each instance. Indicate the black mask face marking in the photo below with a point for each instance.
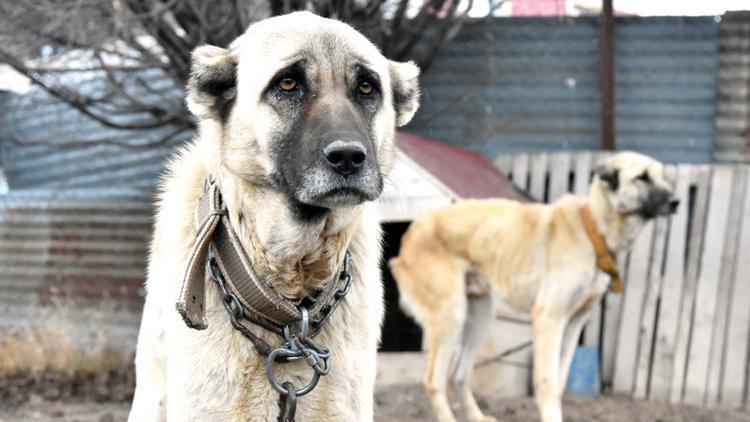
(324, 152)
(611, 177)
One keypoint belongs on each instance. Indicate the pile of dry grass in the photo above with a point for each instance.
(67, 352)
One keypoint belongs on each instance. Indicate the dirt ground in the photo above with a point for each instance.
(408, 403)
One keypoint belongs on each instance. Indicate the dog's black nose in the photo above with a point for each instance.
(345, 158)
(673, 204)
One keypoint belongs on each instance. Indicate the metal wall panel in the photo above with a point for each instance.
(515, 84)
(665, 76)
(68, 255)
(45, 143)
(532, 84)
(733, 93)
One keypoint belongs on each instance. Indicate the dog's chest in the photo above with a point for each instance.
(222, 378)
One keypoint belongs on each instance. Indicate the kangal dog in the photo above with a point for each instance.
(296, 128)
(541, 259)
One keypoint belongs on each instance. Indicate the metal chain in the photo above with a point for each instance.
(327, 310)
(233, 306)
(298, 344)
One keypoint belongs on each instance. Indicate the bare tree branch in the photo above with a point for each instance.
(56, 43)
(114, 142)
(82, 105)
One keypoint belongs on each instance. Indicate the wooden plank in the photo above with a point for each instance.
(633, 295)
(738, 324)
(504, 163)
(724, 289)
(559, 175)
(521, 171)
(649, 311)
(592, 330)
(538, 176)
(671, 293)
(611, 327)
(582, 176)
(599, 158)
(700, 180)
(707, 288)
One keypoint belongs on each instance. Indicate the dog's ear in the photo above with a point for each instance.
(405, 87)
(610, 176)
(212, 87)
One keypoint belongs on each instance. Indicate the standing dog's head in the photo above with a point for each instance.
(306, 105)
(636, 185)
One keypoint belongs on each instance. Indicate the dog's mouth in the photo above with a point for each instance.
(314, 208)
(341, 196)
(344, 193)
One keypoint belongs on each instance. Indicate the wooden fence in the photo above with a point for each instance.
(680, 332)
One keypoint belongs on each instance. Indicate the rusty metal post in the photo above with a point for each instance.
(606, 51)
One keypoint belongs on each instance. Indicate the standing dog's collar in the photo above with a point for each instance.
(605, 259)
(255, 293)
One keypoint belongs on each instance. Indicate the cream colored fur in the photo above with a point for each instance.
(537, 257)
(216, 375)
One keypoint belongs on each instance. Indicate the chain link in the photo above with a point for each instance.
(298, 343)
(327, 310)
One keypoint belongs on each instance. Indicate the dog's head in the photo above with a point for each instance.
(307, 105)
(636, 185)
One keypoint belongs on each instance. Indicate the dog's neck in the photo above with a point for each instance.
(618, 230)
(298, 255)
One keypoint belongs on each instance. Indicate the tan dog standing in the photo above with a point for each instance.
(541, 259)
(296, 127)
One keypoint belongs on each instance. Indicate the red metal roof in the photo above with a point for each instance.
(468, 174)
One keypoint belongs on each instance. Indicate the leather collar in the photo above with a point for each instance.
(255, 293)
(605, 259)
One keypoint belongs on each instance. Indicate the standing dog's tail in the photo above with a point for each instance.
(398, 271)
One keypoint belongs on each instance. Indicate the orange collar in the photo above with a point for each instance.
(605, 259)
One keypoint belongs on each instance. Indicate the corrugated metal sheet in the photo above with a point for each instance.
(70, 252)
(733, 92)
(515, 84)
(45, 143)
(665, 75)
(532, 84)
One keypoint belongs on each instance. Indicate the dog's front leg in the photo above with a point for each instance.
(548, 333)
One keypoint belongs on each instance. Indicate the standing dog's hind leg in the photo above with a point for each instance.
(443, 340)
(477, 326)
(548, 334)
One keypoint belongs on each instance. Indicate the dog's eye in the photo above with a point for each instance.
(644, 177)
(287, 84)
(365, 88)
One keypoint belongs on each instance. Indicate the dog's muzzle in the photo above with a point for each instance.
(659, 203)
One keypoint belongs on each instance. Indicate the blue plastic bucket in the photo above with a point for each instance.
(583, 379)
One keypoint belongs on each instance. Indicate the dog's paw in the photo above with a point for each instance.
(484, 418)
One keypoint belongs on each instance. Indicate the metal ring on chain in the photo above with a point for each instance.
(296, 347)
